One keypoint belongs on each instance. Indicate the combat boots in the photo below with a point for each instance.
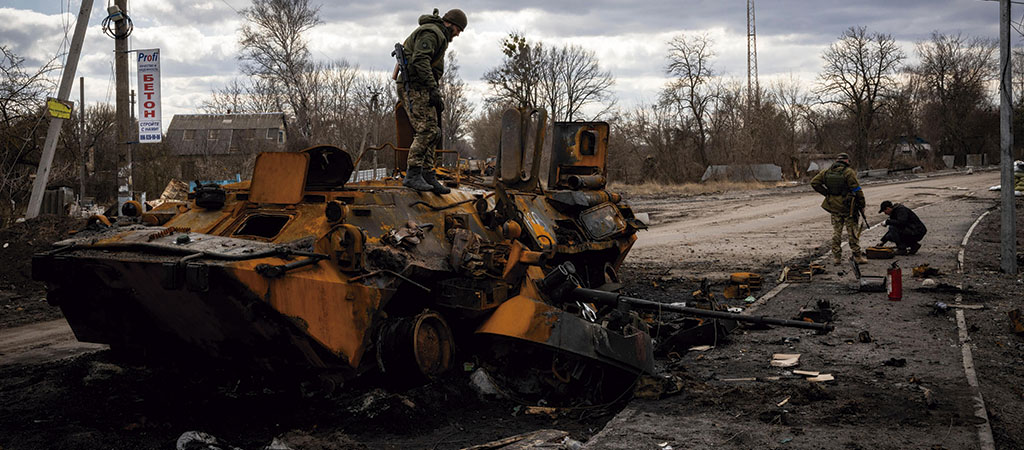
(859, 258)
(837, 259)
(435, 186)
(414, 179)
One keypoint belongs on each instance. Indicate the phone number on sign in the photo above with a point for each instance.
(149, 137)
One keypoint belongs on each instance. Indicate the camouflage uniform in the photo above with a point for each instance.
(852, 225)
(425, 49)
(843, 200)
(424, 122)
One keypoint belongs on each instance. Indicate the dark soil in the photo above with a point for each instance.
(22, 300)
(998, 352)
(98, 401)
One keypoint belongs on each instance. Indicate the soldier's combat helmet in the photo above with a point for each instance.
(456, 17)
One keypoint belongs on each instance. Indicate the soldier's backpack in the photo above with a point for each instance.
(835, 180)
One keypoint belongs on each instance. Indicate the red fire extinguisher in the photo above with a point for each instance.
(894, 282)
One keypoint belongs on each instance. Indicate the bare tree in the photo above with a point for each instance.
(516, 80)
(729, 124)
(458, 109)
(955, 71)
(859, 74)
(551, 89)
(1018, 78)
(22, 96)
(273, 48)
(651, 145)
(578, 82)
(794, 105)
(485, 130)
(333, 116)
(693, 88)
(252, 95)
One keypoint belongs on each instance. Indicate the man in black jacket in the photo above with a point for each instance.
(905, 229)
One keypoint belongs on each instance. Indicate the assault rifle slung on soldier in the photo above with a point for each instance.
(401, 72)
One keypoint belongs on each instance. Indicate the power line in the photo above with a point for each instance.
(232, 7)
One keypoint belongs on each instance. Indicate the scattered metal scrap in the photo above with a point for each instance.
(821, 313)
(925, 271)
(743, 284)
(868, 283)
(880, 252)
(801, 274)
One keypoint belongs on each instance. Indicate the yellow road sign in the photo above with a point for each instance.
(59, 108)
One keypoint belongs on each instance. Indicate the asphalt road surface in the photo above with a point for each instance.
(771, 227)
(935, 370)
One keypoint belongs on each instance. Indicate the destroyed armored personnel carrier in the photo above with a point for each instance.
(300, 268)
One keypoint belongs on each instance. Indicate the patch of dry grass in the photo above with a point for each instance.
(661, 189)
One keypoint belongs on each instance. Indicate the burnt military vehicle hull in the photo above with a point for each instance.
(299, 269)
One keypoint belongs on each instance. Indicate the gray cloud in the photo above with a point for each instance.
(199, 37)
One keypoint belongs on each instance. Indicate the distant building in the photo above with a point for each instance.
(913, 147)
(218, 146)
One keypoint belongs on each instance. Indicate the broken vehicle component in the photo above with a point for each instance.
(615, 299)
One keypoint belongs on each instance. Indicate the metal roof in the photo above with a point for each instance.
(226, 121)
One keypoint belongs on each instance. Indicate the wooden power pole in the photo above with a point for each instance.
(35, 201)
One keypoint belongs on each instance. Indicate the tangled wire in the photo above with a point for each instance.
(110, 25)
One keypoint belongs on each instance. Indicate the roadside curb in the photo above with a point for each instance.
(985, 438)
(986, 441)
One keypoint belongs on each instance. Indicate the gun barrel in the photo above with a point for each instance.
(613, 299)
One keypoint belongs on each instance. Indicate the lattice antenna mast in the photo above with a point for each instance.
(753, 88)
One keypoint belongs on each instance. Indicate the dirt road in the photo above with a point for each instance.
(42, 342)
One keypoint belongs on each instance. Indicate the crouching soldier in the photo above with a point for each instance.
(844, 200)
(905, 229)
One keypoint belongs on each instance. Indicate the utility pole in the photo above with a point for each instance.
(81, 139)
(121, 105)
(374, 103)
(132, 146)
(1008, 224)
(35, 201)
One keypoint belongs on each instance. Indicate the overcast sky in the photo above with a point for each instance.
(198, 39)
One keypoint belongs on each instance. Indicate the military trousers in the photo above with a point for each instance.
(852, 226)
(426, 131)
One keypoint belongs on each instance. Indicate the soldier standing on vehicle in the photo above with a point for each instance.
(844, 200)
(424, 50)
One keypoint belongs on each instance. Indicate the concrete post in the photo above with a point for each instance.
(121, 104)
(82, 173)
(35, 201)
